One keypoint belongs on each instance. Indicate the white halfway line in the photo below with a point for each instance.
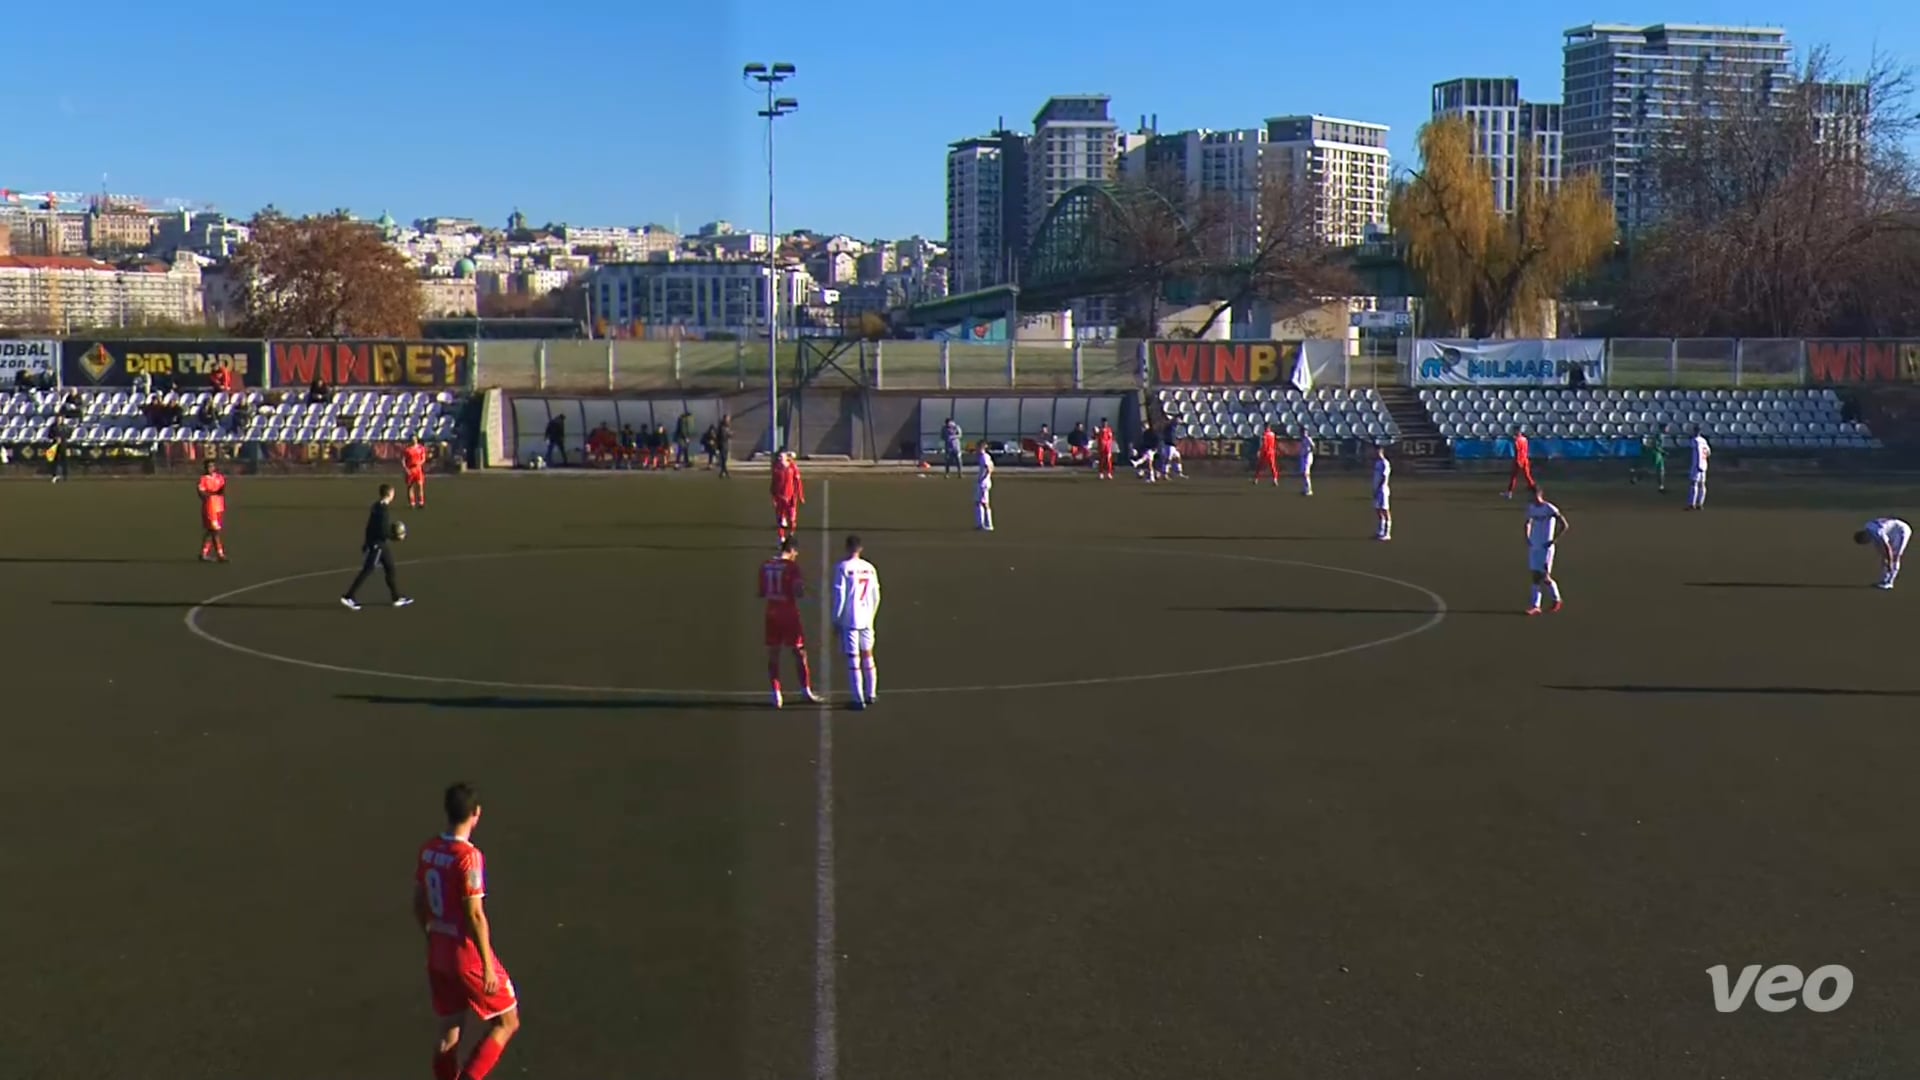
(826, 1013)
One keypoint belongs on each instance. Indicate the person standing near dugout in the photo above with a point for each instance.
(381, 531)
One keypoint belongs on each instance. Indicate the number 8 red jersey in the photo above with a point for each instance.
(450, 871)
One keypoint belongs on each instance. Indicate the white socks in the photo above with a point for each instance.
(863, 679)
(983, 515)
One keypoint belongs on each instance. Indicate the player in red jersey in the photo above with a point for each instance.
(213, 513)
(1522, 464)
(789, 495)
(413, 462)
(782, 586)
(1269, 459)
(1103, 441)
(449, 881)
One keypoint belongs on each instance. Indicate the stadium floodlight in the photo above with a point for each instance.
(770, 76)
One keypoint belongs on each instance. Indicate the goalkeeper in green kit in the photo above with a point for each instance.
(1653, 460)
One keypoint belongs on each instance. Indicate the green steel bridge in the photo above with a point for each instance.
(1079, 251)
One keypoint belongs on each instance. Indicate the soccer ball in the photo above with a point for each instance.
(399, 530)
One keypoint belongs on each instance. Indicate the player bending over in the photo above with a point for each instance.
(856, 601)
(781, 586)
(1891, 535)
(1306, 463)
(789, 494)
(983, 492)
(413, 464)
(463, 974)
(1545, 525)
(1383, 495)
(213, 513)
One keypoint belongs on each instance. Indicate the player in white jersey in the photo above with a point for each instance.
(1306, 463)
(1545, 526)
(1891, 535)
(1383, 495)
(1697, 489)
(856, 603)
(983, 492)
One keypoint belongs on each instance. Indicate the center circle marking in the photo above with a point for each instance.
(1435, 617)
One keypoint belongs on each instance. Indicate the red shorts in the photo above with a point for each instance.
(213, 522)
(783, 630)
(416, 477)
(785, 511)
(455, 992)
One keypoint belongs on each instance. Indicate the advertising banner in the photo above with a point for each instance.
(1221, 363)
(1243, 449)
(1875, 361)
(1563, 449)
(181, 364)
(372, 364)
(38, 357)
(1507, 363)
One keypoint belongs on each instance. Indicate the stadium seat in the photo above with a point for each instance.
(1210, 412)
(1797, 418)
(115, 418)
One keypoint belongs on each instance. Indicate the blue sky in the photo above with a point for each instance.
(623, 113)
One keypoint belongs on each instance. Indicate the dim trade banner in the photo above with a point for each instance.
(1507, 363)
(1221, 363)
(181, 364)
(367, 364)
(1877, 361)
(39, 357)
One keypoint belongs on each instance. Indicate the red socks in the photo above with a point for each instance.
(447, 1066)
(485, 1057)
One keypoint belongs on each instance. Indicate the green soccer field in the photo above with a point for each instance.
(1193, 780)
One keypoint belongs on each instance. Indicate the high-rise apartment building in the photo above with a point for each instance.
(1074, 142)
(1505, 128)
(1625, 85)
(1227, 166)
(986, 210)
(1343, 163)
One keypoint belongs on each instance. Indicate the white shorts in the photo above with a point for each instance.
(854, 642)
(1540, 560)
(1382, 499)
(1897, 538)
(1699, 476)
(1169, 453)
(1306, 463)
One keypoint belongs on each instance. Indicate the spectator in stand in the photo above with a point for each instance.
(319, 393)
(74, 407)
(602, 445)
(1046, 447)
(683, 441)
(557, 439)
(221, 380)
(240, 416)
(1077, 444)
(206, 415)
(143, 385)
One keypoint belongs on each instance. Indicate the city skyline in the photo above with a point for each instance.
(477, 130)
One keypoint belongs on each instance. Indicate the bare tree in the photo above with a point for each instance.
(1276, 251)
(1780, 208)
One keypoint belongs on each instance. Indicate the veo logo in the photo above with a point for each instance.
(1825, 990)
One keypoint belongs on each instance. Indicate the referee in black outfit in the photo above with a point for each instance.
(374, 552)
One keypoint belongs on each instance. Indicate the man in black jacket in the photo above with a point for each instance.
(374, 552)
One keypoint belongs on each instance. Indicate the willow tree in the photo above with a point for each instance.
(1489, 274)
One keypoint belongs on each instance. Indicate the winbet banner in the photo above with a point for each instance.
(1507, 363)
(182, 364)
(372, 363)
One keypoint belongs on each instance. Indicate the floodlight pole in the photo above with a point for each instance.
(770, 76)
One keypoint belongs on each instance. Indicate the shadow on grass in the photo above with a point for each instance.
(1268, 539)
(1302, 609)
(183, 605)
(79, 560)
(612, 704)
(1764, 691)
(1768, 585)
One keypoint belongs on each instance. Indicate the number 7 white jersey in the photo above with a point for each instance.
(856, 594)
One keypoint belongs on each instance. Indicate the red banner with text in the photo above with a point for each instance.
(1221, 363)
(378, 364)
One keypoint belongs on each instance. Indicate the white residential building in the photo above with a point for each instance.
(697, 295)
(60, 292)
(976, 233)
(1626, 85)
(1227, 165)
(1344, 163)
(1504, 127)
(1074, 142)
